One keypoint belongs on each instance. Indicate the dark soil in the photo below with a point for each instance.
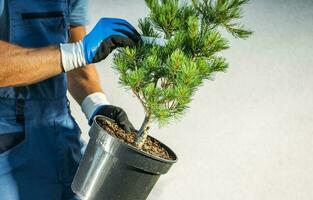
(150, 146)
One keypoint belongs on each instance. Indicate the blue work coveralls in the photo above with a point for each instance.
(43, 165)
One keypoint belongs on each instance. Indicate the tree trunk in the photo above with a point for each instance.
(143, 132)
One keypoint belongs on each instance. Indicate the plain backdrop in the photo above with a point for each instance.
(248, 134)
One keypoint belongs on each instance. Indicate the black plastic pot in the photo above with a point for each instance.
(113, 170)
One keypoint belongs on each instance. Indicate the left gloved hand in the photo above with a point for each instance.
(118, 115)
(97, 104)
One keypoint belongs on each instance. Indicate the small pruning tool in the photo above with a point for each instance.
(153, 40)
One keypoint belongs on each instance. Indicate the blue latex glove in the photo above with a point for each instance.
(108, 34)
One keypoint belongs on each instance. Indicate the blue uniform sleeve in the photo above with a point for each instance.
(79, 13)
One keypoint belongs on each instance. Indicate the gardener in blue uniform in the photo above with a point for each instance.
(44, 52)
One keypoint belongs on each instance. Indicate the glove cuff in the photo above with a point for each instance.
(92, 103)
(72, 56)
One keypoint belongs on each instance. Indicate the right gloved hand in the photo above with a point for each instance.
(107, 35)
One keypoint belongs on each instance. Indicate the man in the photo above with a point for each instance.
(42, 42)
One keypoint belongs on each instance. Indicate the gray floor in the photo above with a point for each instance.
(248, 134)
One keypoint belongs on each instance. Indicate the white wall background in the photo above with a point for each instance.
(248, 134)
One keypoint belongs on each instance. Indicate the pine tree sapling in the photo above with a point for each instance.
(165, 78)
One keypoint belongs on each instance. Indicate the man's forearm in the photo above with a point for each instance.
(84, 86)
(83, 82)
(23, 66)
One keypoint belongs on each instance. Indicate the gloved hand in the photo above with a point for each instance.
(107, 35)
(118, 115)
(97, 104)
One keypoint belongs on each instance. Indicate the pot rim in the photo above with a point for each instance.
(125, 144)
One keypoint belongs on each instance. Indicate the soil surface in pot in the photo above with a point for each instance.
(150, 146)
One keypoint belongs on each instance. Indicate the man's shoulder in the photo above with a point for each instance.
(79, 12)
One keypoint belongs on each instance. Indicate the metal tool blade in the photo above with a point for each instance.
(153, 40)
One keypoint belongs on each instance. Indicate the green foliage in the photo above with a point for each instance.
(165, 78)
(222, 13)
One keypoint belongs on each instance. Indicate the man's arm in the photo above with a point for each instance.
(23, 66)
(84, 86)
(84, 81)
